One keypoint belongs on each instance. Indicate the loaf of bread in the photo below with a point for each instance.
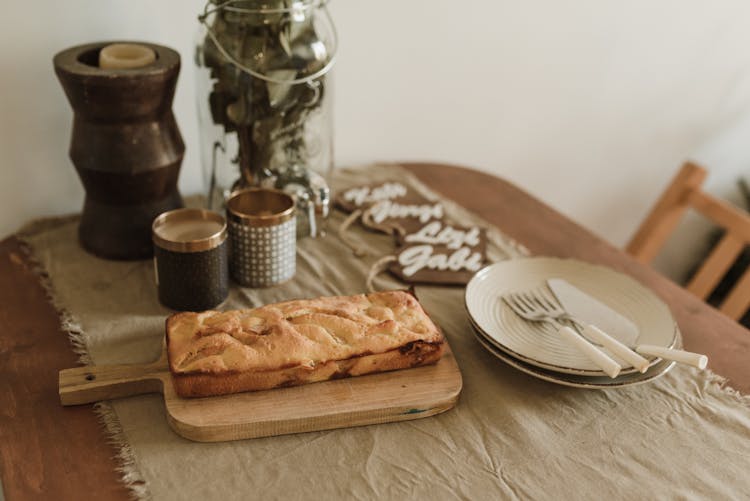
(298, 342)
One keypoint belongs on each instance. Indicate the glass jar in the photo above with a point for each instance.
(264, 101)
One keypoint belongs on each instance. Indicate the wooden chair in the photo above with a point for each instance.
(683, 193)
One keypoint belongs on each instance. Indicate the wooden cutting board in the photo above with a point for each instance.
(377, 398)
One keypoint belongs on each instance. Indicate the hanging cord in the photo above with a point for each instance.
(393, 229)
(377, 267)
(358, 249)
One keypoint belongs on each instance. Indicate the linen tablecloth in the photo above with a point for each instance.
(510, 436)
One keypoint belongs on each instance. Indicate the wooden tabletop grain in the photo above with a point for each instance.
(52, 452)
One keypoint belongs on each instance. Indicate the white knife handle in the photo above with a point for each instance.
(683, 357)
(615, 347)
(604, 362)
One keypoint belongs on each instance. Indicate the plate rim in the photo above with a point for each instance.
(626, 370)
(571, 372)
(561, 378)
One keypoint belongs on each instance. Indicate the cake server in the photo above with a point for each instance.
(605, 326)
(590, 310)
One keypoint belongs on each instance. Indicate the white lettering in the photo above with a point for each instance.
(419, 257)
(453, 238)
(364, 194)
(388, 209)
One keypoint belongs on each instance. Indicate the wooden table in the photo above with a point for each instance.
(48, 451)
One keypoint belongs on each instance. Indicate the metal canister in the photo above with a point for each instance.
(262, 230)
(190, 259)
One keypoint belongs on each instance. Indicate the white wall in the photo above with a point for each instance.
(590, 105)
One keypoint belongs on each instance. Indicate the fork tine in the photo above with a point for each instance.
(524, 308)
(508, 301)
(518, 297)
(544, 299)
(516, 305)
(532, 301)
(552, 299)
(549, 297)
(512, 301)
(524, 311)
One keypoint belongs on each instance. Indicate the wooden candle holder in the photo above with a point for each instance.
(125, 145)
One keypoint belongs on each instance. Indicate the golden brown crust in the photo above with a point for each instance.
(204, 385)
(297, 342)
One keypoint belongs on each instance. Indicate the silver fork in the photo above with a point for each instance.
(527, 306)
(590, 332)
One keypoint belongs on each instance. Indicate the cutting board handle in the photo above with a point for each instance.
(83, 385)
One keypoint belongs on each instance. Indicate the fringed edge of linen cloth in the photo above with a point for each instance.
(725, 386)
(127, 466)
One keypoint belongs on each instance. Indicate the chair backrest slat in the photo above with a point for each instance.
(715, 267)
(683, 193)
(666, 214)
(722, 213)
(738, 301)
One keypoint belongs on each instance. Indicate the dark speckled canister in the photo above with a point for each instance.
(190, 259)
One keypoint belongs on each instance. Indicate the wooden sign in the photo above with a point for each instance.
(440, 253)
(390, 207)
(430, 249)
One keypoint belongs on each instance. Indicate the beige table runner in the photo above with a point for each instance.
(510, 436)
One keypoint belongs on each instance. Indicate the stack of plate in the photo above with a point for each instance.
(536, 349)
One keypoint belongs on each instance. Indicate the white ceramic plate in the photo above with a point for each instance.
(537, 343)
(595, 382)
(493, 344)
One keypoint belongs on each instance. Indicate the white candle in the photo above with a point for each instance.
(125, 56)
